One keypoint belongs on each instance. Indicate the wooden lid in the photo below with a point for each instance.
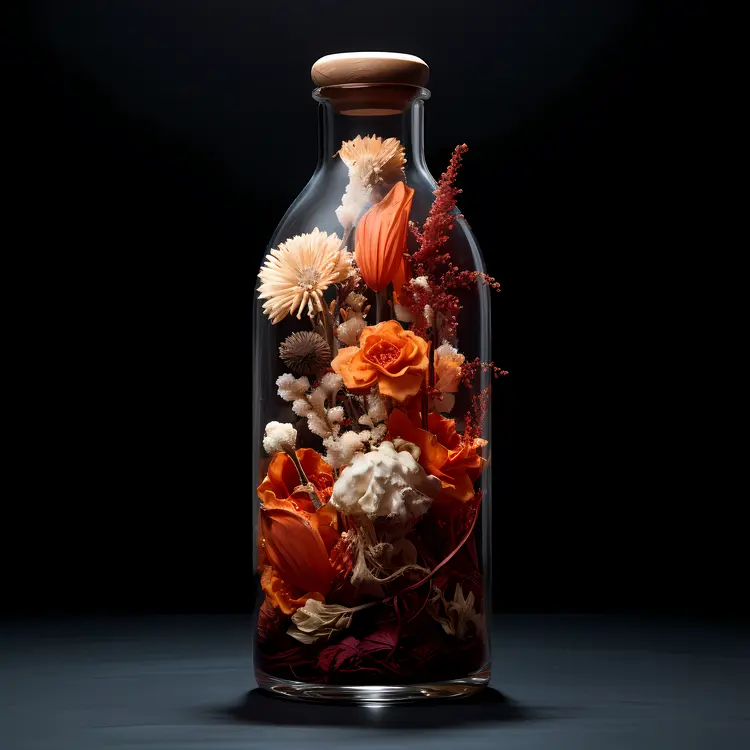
(370, 67)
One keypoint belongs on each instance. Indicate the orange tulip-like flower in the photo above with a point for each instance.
(295, 539)
(283, 479)
(380, 241)
(280, 543)
(388, 356)
(442, 453)
(295, 549)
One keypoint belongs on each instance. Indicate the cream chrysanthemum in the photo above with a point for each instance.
(372, 160)
(297, 272)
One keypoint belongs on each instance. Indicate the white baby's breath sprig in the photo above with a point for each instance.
(291, 388)
(318, 406)
(342, 449)
(375, 417)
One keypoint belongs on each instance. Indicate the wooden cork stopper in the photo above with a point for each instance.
(370, 68)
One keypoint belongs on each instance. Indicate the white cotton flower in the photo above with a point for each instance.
(331, 384)
(429, 315)
(279, 437)
(353, 203)
(336, 415)
(420, 281)
(385, 483)
(291, 388)
(349, 331)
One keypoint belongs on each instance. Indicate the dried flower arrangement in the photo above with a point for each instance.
(367, 553)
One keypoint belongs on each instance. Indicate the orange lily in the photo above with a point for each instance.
(380, 241)
(295, 539)
(295, 549)
(442, 453)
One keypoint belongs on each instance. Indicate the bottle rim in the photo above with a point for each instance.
(370, 98)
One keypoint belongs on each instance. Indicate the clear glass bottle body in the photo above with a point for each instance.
(403, 612)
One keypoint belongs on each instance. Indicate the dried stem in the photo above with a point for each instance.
(307, 485)
(327, 321)
(394, 597)
(345, 238)
(351, 412)
(381, 305)
(431, 354)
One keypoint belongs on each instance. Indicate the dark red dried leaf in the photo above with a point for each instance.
(386, 638)
(334, 657)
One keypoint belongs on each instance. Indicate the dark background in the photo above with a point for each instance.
(153, 149)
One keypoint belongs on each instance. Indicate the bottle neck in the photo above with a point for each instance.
(374, 112)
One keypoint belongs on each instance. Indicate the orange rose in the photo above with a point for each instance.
(443, 454)
(380, 242)
(389, 356)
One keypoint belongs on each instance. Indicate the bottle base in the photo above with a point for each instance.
(375, 695)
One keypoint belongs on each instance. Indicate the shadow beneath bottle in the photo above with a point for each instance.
(260, 707)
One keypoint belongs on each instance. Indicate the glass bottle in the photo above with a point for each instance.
(371, 423)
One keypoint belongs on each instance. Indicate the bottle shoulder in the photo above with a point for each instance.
(316, 203)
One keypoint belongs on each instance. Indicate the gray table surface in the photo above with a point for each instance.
(567, 683)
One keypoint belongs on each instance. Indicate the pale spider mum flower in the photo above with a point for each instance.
(297, 272)
(372, 160)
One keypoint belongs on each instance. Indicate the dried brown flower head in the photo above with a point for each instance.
(305, 353)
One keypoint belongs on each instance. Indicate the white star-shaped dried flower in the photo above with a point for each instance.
(297, 272)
